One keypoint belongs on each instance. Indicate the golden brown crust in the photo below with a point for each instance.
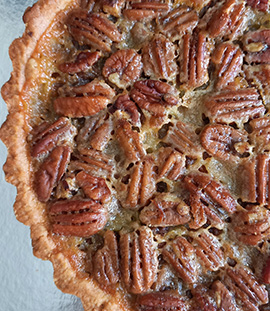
(13, 133)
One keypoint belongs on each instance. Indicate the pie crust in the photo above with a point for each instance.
(235, 145)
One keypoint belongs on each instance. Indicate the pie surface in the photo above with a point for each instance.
(139, 139)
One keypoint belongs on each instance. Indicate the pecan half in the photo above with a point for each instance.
(77, 107)
(113, 7)
(94, 188)
(141, 185)
(203, 299)
(252, 226)
(182, 257)
(255, 180)
(159, 59)
(226, 19)
(77, 217)
(172, 163)
(223, 297)
(105, 262)
(154, 96)
(165, 211)
(95, 133)
(178, 22)
(138, 262)
(83, 62)
(237, 106)
(161, 301)
(46, 136)
(206, 197)
(194, 60)
(184, 139)
(256, 44)
(266, 272)
(51, 171)
(93, 29)
(246, 288)
(228, 60)
(261, 5)
(124, 103)
(123, 67)
(145, 10)
(260, 135)
(208, 250)
(129, 140)
(222, 142)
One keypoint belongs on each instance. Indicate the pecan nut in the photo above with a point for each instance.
(46, 136)
(266, 272)
(261, 5)
(260, 135)
(194, 60)
(123, 67)
(113, 7)
(182, 257)
(105, 262)
(178, 22)
(228, 60)
(77, 217)
(161, 301)
(51, 171)
(257, 46)
(221, 141)
(93, 187)
(203, 299)
(237, 106)
(138, 260)
(78, 107)
(159, 59)
(172, 163)
(92, 29)
(83, 62)
(165, 211)
(223, 297)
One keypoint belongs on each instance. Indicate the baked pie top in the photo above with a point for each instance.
(138, 136)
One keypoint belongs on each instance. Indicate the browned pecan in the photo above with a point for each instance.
(159, 59)
(164, 211)
(154, 96)
(178, 22)
(105, 262)
(90, 161)
(123, 67)
(266, 272)
(261, 5)
(223, 297)
(129, 140)
(183, 138)
(208, 250)
(145, 10)
(246, 287)
(172, 163)
(77, 217)
(93, 29)
(252, 225)
(161, 301)
(226, 19)
(46, 136)
(181, 255)
(255, 180)
(51, 171)
(203, 299)
(228, 60)
(260, 134)
(222, 142)
(206, 197)
(237, 106)
(95, 133)
(124, 103)
(138, 260)
(194, 60)
(256, 44)
(77, 107)
(82, 62)
(141, 186)
(140, 34)
(95, 87)
(88, 4)
(113, 7)
(94, 188)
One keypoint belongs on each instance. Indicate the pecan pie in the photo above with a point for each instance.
(139, 142)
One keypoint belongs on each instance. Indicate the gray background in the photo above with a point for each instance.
(26, 282)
